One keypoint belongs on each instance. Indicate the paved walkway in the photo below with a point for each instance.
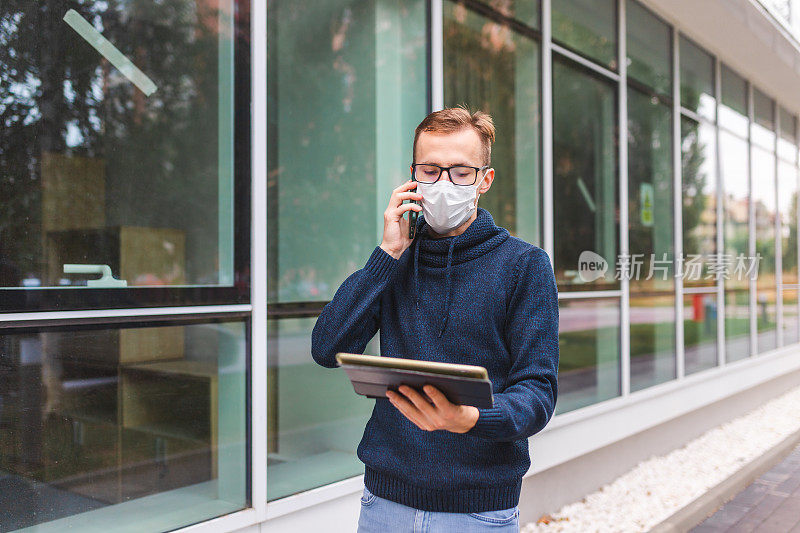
(771, 504)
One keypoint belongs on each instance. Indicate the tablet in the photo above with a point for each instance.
(372, 376)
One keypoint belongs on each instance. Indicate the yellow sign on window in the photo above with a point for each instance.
(646, 204)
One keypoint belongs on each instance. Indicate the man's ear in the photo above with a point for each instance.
(487, 181)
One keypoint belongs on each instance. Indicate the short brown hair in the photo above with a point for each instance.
(454, 119)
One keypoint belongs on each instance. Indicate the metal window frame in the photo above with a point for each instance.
(437, 55)
(677, 202)
(546, 62)
(624, 223)
(778, 244)
(751, 218)
(721, 347)
(718, 287)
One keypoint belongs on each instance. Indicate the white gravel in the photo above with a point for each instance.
(657, 487)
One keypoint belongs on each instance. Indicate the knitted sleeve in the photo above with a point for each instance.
(351, 319)
(526, 404)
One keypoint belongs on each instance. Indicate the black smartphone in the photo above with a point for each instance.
(412, 221)
(412, 217)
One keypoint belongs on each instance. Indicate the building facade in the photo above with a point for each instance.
(185, 184)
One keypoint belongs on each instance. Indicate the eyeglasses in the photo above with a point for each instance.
(459, 174)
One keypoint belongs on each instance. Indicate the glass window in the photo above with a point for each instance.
(737, 324)
(118, 156)
(347, 85)
(763, 125)
(787, 141)
(650, 237)
(585, 210)
(787, 197)
(589, 27)
(699, 213)
(697, 79)
(588, 343)
(144, 425)
(652, 333)
(734, 160)
(733, 111)
(649, 48)
(764, 110)
(312, 438)
(791, 318)
(699, 332)
(472, 67)
(766, 212)
(766, 319)
(525, 11)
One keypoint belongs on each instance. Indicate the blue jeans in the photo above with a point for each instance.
(379, 515)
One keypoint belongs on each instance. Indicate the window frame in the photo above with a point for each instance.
(20, 300)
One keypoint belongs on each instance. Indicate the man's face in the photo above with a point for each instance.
(459, 148)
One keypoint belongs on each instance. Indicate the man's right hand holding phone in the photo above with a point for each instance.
(395, 225)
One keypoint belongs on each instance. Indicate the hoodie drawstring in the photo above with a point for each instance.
(480, 237)
(449, 282)
(416, 274)
(449, 277)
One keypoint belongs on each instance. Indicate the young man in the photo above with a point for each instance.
(462, 291)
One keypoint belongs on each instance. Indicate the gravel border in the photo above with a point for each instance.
(659, 488)
(707, 504)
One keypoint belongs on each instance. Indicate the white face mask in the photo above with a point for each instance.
(445, 205)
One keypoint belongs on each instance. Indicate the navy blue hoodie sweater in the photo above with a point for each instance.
(480, 298)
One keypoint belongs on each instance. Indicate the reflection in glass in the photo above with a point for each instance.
(588, 27)
(787, 198)
(763, 110)
(650, 188)
(791, 318)
(312, 436)
(649, 48)
(734, 167)
(787, 141)
(762, 137)
(347, 88)
(733, 108)
(650, 230)
(733, 154)
(135, 425)
(588, 340)
(699, 332)
(766, 212)
(652, 332)
(698, 160)
(585, 210)
(97, 172)
(478, 53)
(766, 320)
(697, 79)
(525, 11)
(737, 324)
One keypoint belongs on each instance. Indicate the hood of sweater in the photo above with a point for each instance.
(480, 237)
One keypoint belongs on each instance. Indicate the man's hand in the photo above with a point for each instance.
(395, 226)
(442, 414)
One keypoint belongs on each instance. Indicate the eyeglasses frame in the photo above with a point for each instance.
(443, 169)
